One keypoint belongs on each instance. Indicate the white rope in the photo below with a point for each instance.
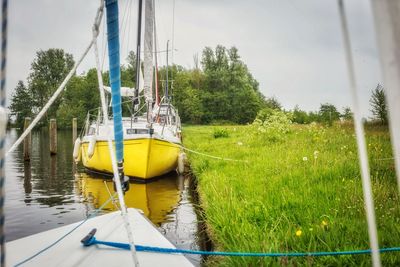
(114, 201)
(206, 155)
(361, 144)
(111, 147)
(381, 159)
(56, 93)
(210, 156)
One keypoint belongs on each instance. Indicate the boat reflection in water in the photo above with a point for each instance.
(156, 199)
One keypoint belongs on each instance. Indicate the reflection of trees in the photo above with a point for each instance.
(52, 176)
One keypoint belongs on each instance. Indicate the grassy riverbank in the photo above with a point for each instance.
(301, 192)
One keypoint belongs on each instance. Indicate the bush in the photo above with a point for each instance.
(221, 133)
(274, 127)
(265, 113)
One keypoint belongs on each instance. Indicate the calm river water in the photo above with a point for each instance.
(47, 193)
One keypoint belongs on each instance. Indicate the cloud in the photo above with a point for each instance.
(293, 47)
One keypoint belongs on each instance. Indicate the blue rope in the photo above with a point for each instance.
(262, 254)
(115, 75)
(94, 241)
(64, 236)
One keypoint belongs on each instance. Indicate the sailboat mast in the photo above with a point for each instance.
(135, 102)
(166, 85)
(155, 57)
(148, 57)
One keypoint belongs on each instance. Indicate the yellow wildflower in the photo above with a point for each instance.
(324, 224)
(299, 232)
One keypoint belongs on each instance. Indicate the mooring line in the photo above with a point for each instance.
(381, 159)
(211, 156)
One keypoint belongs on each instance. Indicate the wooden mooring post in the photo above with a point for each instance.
(74, 130)
(53, 136)
(27, 141)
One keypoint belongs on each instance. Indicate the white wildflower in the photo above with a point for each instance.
(305, 158)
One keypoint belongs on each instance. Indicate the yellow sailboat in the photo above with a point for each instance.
(151, 141)
(145, 155)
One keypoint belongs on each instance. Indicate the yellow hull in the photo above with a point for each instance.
(155, 199)
(143, 158)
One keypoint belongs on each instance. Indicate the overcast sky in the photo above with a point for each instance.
(293, 48)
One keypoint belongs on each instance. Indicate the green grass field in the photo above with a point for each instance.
(300, 193)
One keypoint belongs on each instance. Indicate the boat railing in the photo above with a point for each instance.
(167, 115)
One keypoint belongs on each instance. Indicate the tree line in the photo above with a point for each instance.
(328, 113)
(218, 89)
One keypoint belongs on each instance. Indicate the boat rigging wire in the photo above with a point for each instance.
(361, 143)
(104, 46)
(129, 27)
(157, 94)
(172, 50)
(125, 24)
(136, 102)
(173, 34)
(3, 124)
(113, 200)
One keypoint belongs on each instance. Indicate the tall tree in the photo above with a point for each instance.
(230, 92)
(328, 113)
(82, 96)
(347, 114)
(48, 70)
(313, 116)
(21, 104)
(188, 96)
(378, 104)
(300, 116)
(272, 103)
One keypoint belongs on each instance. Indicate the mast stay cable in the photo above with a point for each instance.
(3, 124)
(361, 143)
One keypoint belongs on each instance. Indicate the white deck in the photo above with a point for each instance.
(70, 251)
